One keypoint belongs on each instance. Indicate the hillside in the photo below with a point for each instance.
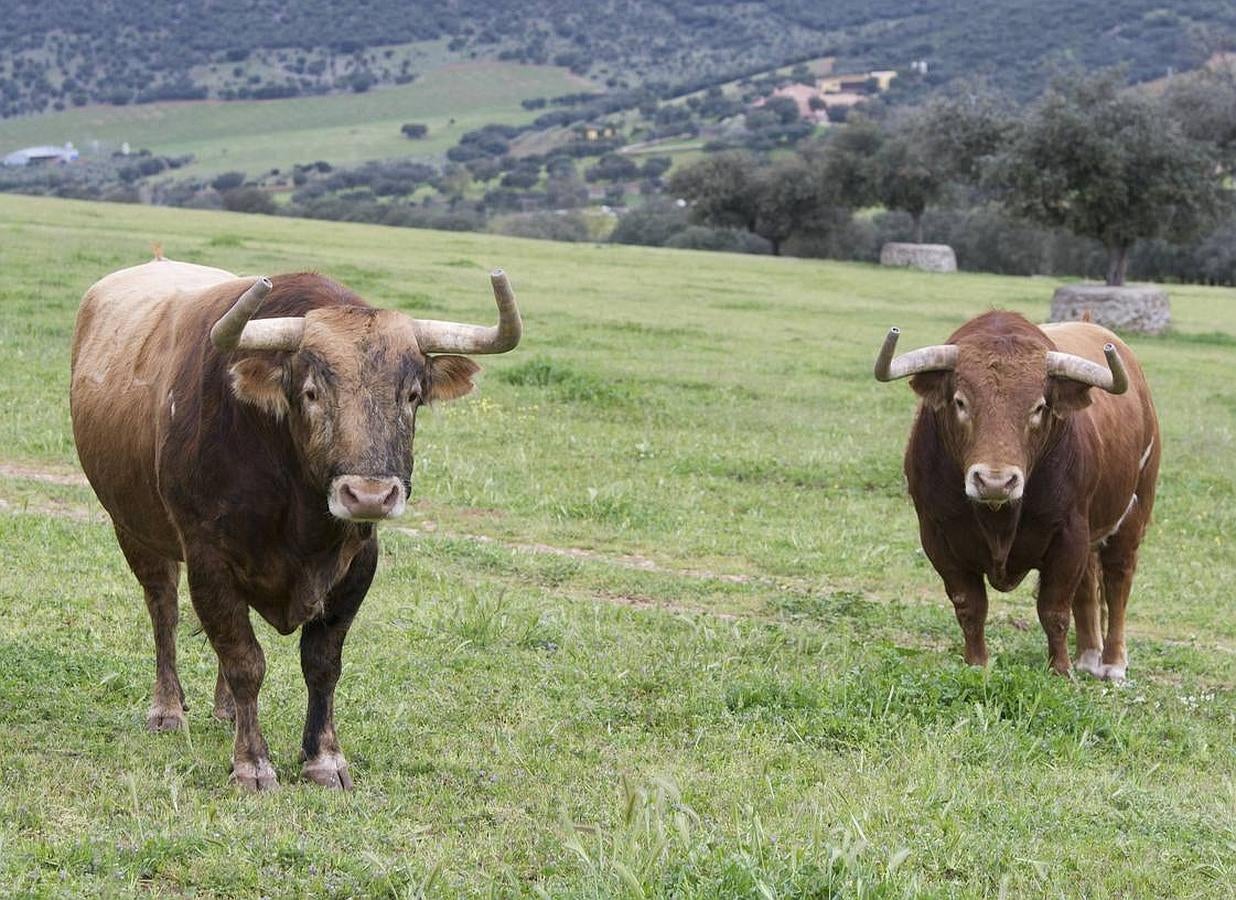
(61, 53)
(254, 136)
(657, 623)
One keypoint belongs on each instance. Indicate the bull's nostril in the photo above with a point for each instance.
(391, 498)
(349, 496)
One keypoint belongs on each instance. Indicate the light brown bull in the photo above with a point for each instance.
(256, 429)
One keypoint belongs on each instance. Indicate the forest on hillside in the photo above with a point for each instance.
(60, 53)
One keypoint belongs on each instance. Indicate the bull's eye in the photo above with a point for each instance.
(960, 403)
(311, 393)
(1036, 414)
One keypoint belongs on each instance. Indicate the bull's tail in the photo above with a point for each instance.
(157, 249)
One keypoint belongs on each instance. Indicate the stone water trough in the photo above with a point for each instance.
(928, 257)
(1139, 308)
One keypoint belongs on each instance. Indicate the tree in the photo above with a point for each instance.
(906, 178)
(1106, 163)
(848, 160)
(960, 132)
(777, 201)
(888, 164)
(791, 199)
(1204, 103)
(721, 189)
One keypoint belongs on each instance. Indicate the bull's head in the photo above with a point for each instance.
(998, 395)
(350, 380)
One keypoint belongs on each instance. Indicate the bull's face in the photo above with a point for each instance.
(998, 391)
(996, 411)
(350, 394)
(349, 380)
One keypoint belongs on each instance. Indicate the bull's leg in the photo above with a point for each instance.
(158, 577)
(1118, 568)
(1086, 620)
(969, 595)
(225, 619)
(1059, 582)
(321, 653)
(225, 707)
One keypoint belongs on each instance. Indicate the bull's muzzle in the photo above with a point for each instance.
(994, 485)
(358, 498)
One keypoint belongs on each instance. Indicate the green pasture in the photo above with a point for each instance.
(255, 135)
(657, 624)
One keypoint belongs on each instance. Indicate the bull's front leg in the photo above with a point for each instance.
(965, 589)
(225, 618)
(1059, 580)
(321, 659)
(969, 596)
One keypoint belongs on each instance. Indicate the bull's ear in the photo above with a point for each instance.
(450, 377)
(259, 383)
(936, 388)
(1065, 395)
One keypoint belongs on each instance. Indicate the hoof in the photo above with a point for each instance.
(165, 718)
(1114, 672)
(254, 776)
(1090, 663)
(329, 770)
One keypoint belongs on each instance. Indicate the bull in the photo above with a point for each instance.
(256, 430)
(1034, 447)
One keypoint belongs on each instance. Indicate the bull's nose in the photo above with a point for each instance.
(994, 484)
(364, 499)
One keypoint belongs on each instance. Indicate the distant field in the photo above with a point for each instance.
(657, 625)
(255, 135)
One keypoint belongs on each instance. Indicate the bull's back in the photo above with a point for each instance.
(124, 357)
(1126, 425)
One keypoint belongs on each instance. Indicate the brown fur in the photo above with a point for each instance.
(223, 461)
(1082, 465)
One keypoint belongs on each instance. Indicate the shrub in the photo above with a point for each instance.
(249, 200)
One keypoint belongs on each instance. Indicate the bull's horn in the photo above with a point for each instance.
(235, 331)
(455, 337)
(936, 358)
(1113, 379)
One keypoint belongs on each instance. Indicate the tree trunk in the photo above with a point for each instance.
(776, 246)
(1117, 264)
(918, 227)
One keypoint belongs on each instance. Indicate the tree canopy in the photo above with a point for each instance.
(1107, 163)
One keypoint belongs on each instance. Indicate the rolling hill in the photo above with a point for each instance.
(61, 53)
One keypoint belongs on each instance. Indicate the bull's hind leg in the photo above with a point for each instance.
(158, 577)
(321, 659)
(1119, 562)
(1086, 619)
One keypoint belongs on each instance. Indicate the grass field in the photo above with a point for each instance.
(255, 135)
(657, 625)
